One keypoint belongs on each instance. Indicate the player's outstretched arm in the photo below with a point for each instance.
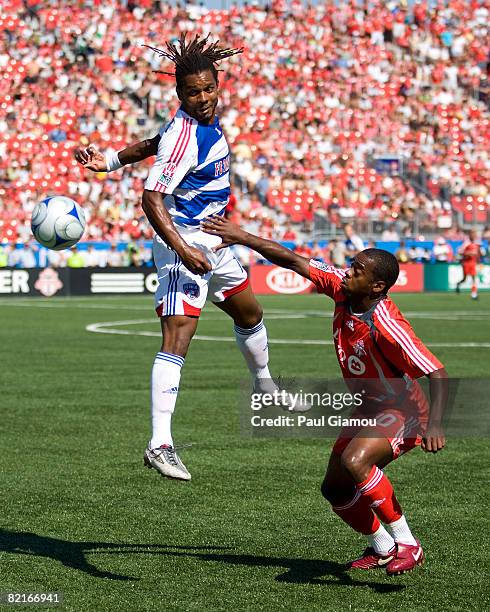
(274, 252)
(93, 159)
(434, 439)
(192, 258)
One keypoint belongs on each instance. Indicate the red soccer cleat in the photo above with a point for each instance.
(372, 560)
(406, 559)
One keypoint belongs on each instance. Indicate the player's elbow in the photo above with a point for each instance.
(152, 145)
(300, 265)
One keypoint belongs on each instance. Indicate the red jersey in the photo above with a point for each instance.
(470, 251)
(379, 344)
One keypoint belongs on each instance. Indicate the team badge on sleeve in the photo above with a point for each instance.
(319, 265)
(167, 174)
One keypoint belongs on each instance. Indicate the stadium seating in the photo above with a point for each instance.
(319, 92)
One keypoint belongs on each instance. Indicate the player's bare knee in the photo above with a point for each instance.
(179, 346)
(250, 317)
(259, 312)
(355, 463)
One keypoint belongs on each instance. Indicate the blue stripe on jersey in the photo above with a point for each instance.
(191, 208)
(207, 136)
(201, 178)
(194, 222)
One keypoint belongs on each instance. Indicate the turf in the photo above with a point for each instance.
(251, 531)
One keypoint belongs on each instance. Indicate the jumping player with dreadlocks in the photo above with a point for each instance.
(380, 355)
(188, 182)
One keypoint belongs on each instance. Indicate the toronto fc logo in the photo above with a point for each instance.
(48, 282)
(359, 349)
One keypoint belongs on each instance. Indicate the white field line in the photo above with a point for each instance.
(456, 315)
(108, 327)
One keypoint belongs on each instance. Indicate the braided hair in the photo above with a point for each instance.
(193, 57)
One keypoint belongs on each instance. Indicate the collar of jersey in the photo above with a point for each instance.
(365, 316)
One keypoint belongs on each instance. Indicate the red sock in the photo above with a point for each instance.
(358, 515)
(474, 290)
(379, 494)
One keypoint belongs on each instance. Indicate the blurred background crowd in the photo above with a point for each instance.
(362, 116)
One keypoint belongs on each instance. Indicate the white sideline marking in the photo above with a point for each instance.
(106, 327)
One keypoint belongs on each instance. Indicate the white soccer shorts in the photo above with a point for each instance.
(181, 292)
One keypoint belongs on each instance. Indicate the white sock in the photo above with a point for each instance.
(401, 532)
(254, 347)
(381, 541)
(165, 378)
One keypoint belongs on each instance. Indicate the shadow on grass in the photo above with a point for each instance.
(72, 555)
(298, 571)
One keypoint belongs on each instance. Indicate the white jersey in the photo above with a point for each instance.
(191, 170)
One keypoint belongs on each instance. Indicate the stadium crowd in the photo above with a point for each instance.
(320, 92)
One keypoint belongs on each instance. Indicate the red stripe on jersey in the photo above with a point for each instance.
(401, 336)
(394, 333)
(432, 367)
(180, 146)
(181, 143)
(178, 141)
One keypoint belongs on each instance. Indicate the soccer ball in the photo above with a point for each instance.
(57, 222)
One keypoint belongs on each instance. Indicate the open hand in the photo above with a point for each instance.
(228, 231)
(91, 158)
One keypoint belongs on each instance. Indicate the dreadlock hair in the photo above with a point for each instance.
(193, 57)
(385, 266)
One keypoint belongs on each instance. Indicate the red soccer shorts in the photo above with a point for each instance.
(469, 268)
(400, 429)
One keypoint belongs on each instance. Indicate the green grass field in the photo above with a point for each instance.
(251, 531)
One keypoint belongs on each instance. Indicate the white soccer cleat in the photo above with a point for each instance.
(165, 460)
